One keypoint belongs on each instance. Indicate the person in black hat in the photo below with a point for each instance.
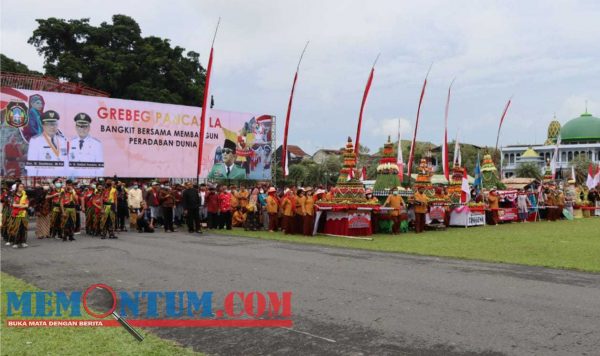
(227, 169)
(86, 158)
(48, 152)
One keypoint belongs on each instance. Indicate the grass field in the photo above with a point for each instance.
(75, 341)
(561, 244)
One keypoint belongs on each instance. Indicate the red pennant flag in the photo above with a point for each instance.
(203, 115)
(284, 155)
(445, 163)
(411, 155)
(205, 102)
(284, 162)
(501, 121)
(362, 107)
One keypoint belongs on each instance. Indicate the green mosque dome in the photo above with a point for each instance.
(585, 128)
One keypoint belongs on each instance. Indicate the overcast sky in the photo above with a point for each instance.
(545, 54)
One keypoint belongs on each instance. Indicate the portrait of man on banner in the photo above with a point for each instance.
(86, 157)
(227, 169)
(47, 154)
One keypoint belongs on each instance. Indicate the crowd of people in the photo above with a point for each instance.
(63, 208)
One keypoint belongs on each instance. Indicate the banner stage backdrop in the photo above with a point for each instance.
(128, 138)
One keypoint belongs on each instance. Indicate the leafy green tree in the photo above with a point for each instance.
(297, 174)
(528, 170)
(10, 65)
(332, 167)
(117, 59)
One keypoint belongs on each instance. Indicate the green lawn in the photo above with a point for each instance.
(561, 244)
(75, 341)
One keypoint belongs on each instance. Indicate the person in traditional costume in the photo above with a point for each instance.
(17, 231)
(551, 206)
(97, 204)
(68, 204)
(272, 208)
(523, 205)
(43, 208)
(55, 196)
(309, 212)
(395, 201)
(107, 221)
(299, 210)
(252, 211)
(88, 208)
(239, 217)
(287, 206)
(420, 200)
(6, 199)
(493, 206)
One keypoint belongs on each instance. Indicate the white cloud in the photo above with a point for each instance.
(382, 128)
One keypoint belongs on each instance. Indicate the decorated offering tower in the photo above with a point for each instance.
(424, 178)
(349, 190)
(490, 173)
(348, 213)
(387, 170)
(455, 185)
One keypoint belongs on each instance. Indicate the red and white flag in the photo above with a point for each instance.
(350, 175)
(554, 163)
(465, 190)
(457, 161)
(597, 176)
(399, 159)
(591, 181)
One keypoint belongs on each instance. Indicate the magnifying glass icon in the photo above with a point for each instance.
(108, 296)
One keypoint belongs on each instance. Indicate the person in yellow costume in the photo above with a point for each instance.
(395, 201)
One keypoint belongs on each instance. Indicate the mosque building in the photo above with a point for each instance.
(578, 136)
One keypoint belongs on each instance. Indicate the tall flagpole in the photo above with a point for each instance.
(204, 104)
(500, 125)
(362, 106)
(284, 163)
(414, 140)
(445, 148)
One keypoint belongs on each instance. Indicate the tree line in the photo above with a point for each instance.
(116, 58)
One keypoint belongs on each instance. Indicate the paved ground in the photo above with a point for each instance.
(345, 302)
